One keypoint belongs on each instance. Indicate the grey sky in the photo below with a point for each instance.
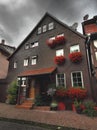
(18, 17)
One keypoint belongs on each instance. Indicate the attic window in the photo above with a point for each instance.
(26, 62)
(39, 30)
(44, 28)
(51, 26)
(34, 44)
(15, 64)
(27, 46)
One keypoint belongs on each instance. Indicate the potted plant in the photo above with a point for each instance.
(75, 57)
(54, 105)
(78, 106)
(59, 60)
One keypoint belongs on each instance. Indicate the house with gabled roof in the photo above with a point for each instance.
(46, 56)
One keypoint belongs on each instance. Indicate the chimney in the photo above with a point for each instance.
(2, 41)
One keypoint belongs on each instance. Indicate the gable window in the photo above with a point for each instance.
(39, 30)
(61, 80)
(60, 52)
(74, 48)
(34, 60)
(51, 26)
(77, 79)
(62, 34)
(15, 64)
(44, 28)
(26, 62)
(34, 44)
(27, 46)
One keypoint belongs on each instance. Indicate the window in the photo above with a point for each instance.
(26, 62)
(39, 30)
(62, 34)
(51, 26)
(95, 43)
(74, 48)
(34, 60)
(60, 52)
(23, 81)
(34, 44)
(96, 55)
(44, 28)
(27, 46)
(15, 64)
(77, 79)
(60, 80)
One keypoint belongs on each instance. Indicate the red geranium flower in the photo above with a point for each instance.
(75, 57)
(59, 60)
(60, 40)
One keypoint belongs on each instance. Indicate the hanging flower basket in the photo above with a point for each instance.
(59, 60)
(75, 57)
(60, 40)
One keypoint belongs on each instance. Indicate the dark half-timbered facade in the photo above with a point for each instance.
(51, 53)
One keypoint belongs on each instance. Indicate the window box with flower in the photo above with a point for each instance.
(75, 57)
(60, 40)
(59, 60)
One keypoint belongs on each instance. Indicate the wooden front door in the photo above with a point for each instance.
(32, 89)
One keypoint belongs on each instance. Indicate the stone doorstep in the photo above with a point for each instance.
(44, 108)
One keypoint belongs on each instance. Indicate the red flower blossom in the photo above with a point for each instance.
(75, 57)
(77, 93)
(59, 60)
(60, 40)
(61, 93)
(51, 43)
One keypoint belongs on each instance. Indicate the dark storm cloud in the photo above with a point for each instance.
(17, 18)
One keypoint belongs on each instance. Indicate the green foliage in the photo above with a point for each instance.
(89, 109)
(77, 103)
(12, 93)
(38, 100)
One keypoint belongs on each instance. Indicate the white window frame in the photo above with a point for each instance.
(23, 82)
(26, 60)
(44, 28)
(60, 52)
(15, 65)
(39, 30)
(57, 84)
(51, 26)
(81, 78)
(34, 60)
(95, 43)
(27, 46)
(62, 34)
(34, 44)
(75, 48)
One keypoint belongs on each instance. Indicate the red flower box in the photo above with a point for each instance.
(59, 60)
(61, 93)
(60, 40)
(75, 57)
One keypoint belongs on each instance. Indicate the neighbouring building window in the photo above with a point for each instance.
(23, 81)
(61, 80)
(44, 28)
(18, 80)
(34, 60)
(15, 64)
(26, 62)
(74, 48)
(34, 44)
(96, 55)
(27, 46)
(77, 79)
(60, 52)
(51, 26)
(39, 30)
(95, 43)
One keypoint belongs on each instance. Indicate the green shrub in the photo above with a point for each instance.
(12, 93)
(89, 104)
(90, 112)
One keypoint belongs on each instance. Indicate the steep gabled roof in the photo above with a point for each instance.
(47, 14)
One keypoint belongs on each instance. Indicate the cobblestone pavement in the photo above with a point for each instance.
(63, 118)
(16, 126)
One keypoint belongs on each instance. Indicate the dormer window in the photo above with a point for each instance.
(74, 48)
(34, 44)
(39, 30)
(51, 26)
(44, 28)
(27, 46)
